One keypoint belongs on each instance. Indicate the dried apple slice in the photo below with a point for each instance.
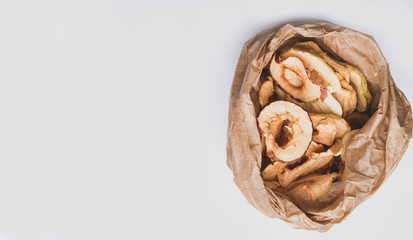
(336, 65)
(314, 162)
(351, 74)
(337, 148)
(328, 105)
(320, 71)
(271, 122)
(342, 125)
(292, 77)
(328, 127)
(359, 83)
(314, 147)
(271, 171)
(347, 97)
(312, 186)
(325, 131)
(266, 91)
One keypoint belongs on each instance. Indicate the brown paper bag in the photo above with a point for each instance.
(371, 155)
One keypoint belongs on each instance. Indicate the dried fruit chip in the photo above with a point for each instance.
(266, 91)
(347, 97)
(338, 66)
(325, 131)
(314, 162)
(314, 147)
(291, 76)
(271, 122)
(318, 68)
(328, 105)
(271, 171)
(312, 186)
(328, 127)
(359, 83)
(351, 74)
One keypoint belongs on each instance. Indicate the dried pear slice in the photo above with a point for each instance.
(357, 120)
(291, 76)
(314, 162)
(313, 186)
(271, 171)
(316, 65)
(266, 91)
(328, 127)
(271, 121)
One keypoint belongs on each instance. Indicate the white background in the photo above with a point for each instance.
(114, 117)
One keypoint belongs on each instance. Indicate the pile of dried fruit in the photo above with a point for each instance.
(311, 104)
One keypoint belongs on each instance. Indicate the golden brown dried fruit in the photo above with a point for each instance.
(271, 121)
(359, 83)
(328, 105)
(337, 148)
(266, 91)
(316, 65)
(314, 162)
(328, 127)
(312, 186)
(351, 74)
(314, 147)
(336, 65)
(347, 97)
(325, 131)
(291, 76)
(271, 171)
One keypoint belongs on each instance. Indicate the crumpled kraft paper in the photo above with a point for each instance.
(370, 156)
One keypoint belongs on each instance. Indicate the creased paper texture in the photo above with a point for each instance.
(370, 156)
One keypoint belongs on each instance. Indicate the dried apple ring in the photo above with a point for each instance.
(292, 77)
(272, 121)
(319, 70)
